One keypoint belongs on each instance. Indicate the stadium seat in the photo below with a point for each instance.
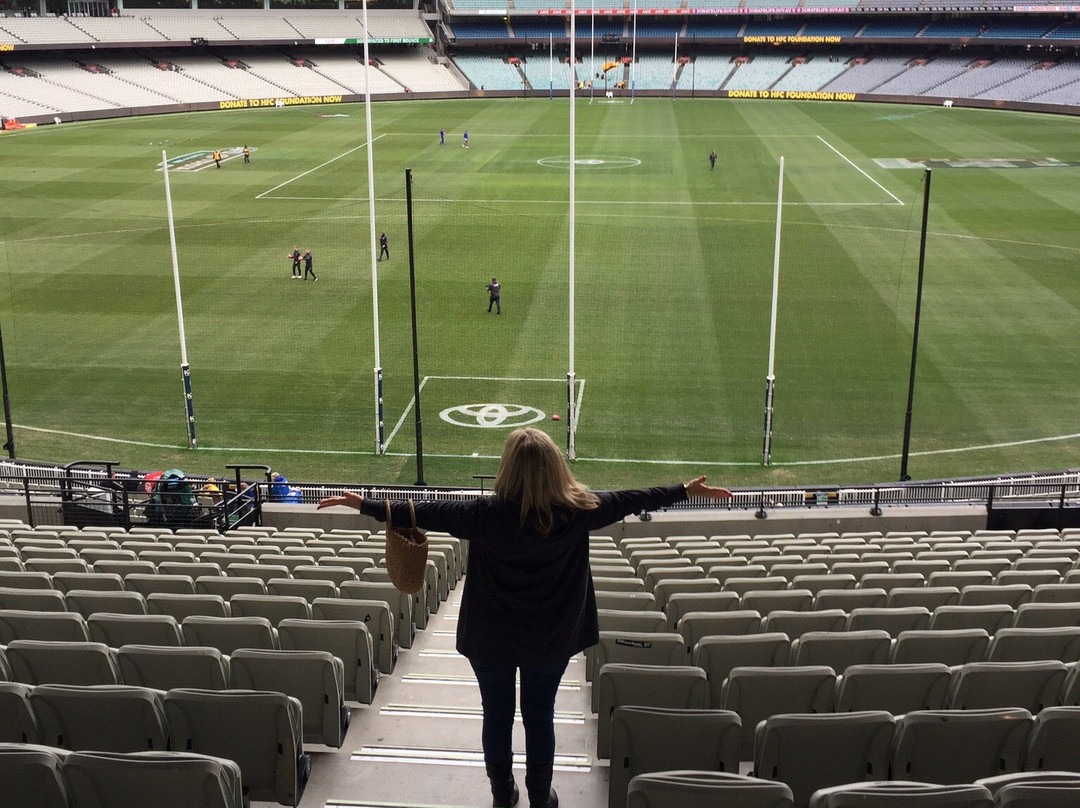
(989, 618)
(897, 689)
(795, 624)
(147, 585)
(702, 789)
(987, 685)
(995, 595)
(1033, 644)
(756, 693)
(348, 640)
(681, 603)
(1047, 615)
(719, 655)
(636, 648)
(19, 624)
(18, 724)
(38, 662)
(115, 630)
(902, 794)
(105, 581)
(32, 600)
(180, 606)
(229, 633)
(892, 620)
(959, 746)
(227, 586)
(261, 731)
(375, 614)
(274, 608)
(70, 717)
(163, 779)
(165, 668)
(400, 603)
(31, 776)
(86, 602)
(955, 647)
(840, 649)
(676, 686)
(1054, 744)
(656, 739)
(314, 678)
(810, 752)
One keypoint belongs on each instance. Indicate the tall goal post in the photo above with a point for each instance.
(571, 415)
(770, 377)
(185, 368)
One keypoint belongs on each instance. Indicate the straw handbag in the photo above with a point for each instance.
(406, 553)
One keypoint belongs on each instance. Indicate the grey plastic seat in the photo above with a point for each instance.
(375, 614)
(348, 640)
(695, 625)
(624, 620)
(400, 603)
(987, 685)
(902, 794)
(105, 581)
(959, 746)
(990, 618)
(929, 597)
(261, 731)
(810, 752)
(314, 678)
(841, 649)
(165, 667)
(1054, 744)
(955, 647)
(115, 630)
(1056, 593)
(719, 655)
(656, 739)
(20, 624)
(677, 686)
(1033, 644)
(274, 608)
(228, 585)
(848, 599)
(897, 689)
(790, 600)
(32, 776)
(1050, 792)
(147, 585)
(307, 588)
(180, 606)
(892, 620)
(795, 623)
(681, 603)
(996, 594)
(640, 648)
(70, 717)
(86, 602)
(1047, 615)
(39, 662)
(10, 579)
(631, 601)
(756, 693)
(161, 779)
(702, 789)
(229, 633)
(33, 600)
(18, 724)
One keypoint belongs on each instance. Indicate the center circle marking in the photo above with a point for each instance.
(590, 162)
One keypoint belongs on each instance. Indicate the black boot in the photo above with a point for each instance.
(504, 791)
(538, 784)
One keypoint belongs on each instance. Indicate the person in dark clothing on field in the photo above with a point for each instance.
(384, 247)
(308, 261)
(494, 293)
(295, 256)
(712, 160)
(529, 603)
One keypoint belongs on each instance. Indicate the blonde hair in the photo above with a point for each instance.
(534, 474)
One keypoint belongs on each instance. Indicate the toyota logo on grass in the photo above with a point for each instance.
(491, 416)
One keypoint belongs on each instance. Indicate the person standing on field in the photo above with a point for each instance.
(247, 154)
(308, 261)
(384, 247)
(494, 292)
(442, 137)
(712, 160)
(217, 158)
(465, 141)
(295, 255)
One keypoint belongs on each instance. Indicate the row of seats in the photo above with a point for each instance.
(261, 731)
(275, 598)
(811, 752)
(719, 653)
(69, 716)
(35, 776)
(756, 693)
(201, 662)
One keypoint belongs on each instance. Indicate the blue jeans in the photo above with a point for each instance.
(539, 684)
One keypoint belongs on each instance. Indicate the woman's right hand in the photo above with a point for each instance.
(350, 499)
(697, 488)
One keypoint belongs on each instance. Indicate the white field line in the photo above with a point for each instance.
(600, 202)
(846, 160)
(619, 460)
(322, 165)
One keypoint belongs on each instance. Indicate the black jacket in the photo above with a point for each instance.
(528, 597)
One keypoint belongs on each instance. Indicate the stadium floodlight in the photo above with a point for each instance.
(185, 368)
(770, 377)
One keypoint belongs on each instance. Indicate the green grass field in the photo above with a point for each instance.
(673, 284)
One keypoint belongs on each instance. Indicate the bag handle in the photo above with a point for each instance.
(412, 513)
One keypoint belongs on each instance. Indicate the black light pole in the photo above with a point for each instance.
(10, 445)
(415, 354)
(915, 335)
